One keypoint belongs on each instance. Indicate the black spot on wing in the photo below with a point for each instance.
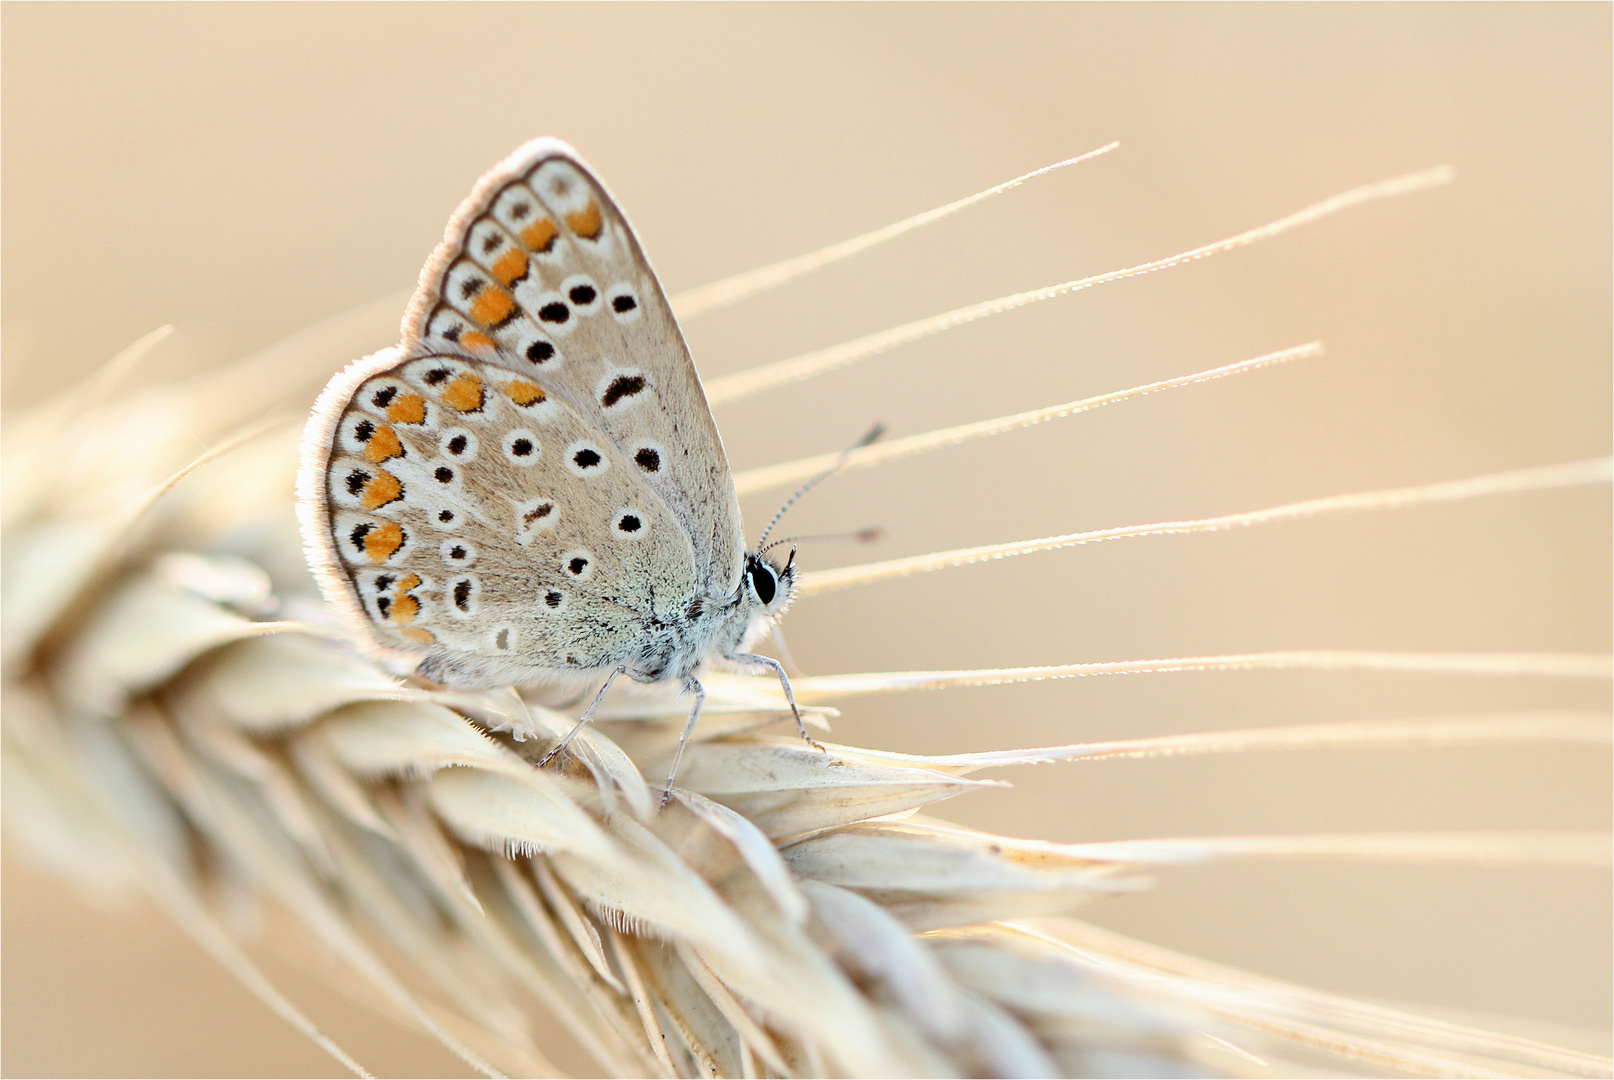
(623, 386)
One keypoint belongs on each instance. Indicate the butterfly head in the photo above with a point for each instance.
(770, 588)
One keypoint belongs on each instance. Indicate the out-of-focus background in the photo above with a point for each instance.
(246, 171)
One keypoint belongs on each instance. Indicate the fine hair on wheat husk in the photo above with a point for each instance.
(185, 720)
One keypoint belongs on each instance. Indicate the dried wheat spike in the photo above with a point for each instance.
(182, 719)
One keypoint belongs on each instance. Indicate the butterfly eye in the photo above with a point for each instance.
(763, 583)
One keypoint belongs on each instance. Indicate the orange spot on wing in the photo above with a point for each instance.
(407, 409)
(524, 393)
(473, 339)
(383, 445)
(404, 606)
(381, 489)
(511, 266)
(425, 637)
(382, 543)
(492, 307)
(464, 393)
(540, 235)
(586, 222)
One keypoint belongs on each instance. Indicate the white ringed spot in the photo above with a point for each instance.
(534, 516)
(521, 447)
(586, 458)
(649, 456)
(628, 523)
(578, 564)
(623, 302)
(463, 593)
(582, 293)
(458, 443)
(621, 387)
(458, 552)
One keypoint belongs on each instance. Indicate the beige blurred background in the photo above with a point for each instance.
(246, 171)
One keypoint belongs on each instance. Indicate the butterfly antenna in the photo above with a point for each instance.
(874, 433)
(854, 536)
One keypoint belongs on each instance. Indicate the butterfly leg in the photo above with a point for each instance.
(784, 650)
(784, 681)
(588, 714)
(691, 686)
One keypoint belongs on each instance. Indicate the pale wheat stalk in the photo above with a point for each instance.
(182, 719)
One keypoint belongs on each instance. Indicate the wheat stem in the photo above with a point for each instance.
(791, 472)
(730, 290)
(745, 383)
(1513, 481)
(1560, 849)
(1537, 664)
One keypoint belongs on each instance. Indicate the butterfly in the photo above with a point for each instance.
(529, 487)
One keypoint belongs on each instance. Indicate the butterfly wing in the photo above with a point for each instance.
(539, 272)
(531, 481)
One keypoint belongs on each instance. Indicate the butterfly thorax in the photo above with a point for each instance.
(671, 649)
(714, 627)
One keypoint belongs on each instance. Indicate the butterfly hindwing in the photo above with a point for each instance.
(540, 274)
(475, 513)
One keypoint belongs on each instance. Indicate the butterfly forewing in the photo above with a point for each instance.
(541, 274)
